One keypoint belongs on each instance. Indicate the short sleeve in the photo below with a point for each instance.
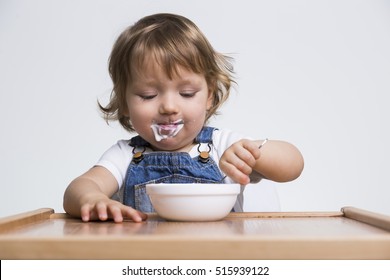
(116, 160)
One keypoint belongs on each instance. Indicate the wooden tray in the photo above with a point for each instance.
(347, 234)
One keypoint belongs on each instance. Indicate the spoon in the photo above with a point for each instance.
(261, 145)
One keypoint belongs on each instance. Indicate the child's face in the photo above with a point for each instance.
(169, 105)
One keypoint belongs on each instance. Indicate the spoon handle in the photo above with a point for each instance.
(262, 144)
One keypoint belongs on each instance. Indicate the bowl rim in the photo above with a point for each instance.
(177, 189)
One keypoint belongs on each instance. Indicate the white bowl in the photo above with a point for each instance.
(193, 202)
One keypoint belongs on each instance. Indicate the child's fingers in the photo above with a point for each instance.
(101, 211)
(244, 160)
(85, 213)
(115, 213)
(142, 215)
(237, 162)
(135, 215)
(252, 148)
(239, 158)
(239, 177)
(119, 211)
(240, 165)
(234, 173)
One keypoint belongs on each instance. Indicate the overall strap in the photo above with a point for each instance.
(138, 141)
(205, 135)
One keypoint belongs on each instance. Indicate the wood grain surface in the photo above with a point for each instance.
(43, 234)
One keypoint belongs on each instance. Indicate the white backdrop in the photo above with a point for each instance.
(314, 73)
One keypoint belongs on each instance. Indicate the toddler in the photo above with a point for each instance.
(167, 82)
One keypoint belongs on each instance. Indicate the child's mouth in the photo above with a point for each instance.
(166, 130)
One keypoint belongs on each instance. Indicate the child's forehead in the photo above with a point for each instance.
(154, 74)
(150, 65)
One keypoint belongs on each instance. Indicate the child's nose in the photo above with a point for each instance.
(168, 105)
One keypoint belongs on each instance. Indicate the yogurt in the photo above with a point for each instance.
(165, 131)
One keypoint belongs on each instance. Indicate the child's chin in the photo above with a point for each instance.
(168, 144)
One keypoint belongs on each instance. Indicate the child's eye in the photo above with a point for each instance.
(147, 96)
(188, 94)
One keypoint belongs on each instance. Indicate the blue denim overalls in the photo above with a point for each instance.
(167, 167)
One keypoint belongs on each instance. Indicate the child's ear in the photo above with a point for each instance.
(125, 111)
(210, 100)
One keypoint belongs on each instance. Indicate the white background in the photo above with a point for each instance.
(314, 73)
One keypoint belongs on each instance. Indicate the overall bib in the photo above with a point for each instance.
(167, 167)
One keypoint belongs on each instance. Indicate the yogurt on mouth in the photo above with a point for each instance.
(165, 131)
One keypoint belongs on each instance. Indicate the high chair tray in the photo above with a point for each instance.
(350, 233)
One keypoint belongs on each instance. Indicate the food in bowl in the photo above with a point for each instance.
(193, 202)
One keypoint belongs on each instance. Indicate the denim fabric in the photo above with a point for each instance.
(167, 167)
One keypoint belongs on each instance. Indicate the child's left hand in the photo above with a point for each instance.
(238, 160)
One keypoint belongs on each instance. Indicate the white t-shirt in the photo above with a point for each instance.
(117, 159)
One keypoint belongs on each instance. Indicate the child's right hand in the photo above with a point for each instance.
(104, 208)
(88, 197)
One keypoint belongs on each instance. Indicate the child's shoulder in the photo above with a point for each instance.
(123, 144)
(120, 147)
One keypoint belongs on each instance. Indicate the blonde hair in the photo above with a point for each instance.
(174, 41)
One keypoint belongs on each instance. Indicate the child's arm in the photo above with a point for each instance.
(88, 197)
(277, 161)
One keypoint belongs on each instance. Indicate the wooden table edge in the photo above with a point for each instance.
(364, 216)
(186, 247)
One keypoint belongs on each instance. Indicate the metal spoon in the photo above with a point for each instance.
(261, 145)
